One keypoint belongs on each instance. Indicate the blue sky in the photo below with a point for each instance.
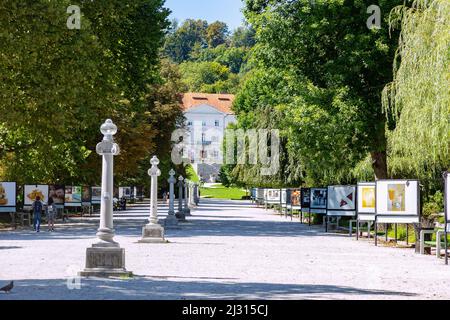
(228, 11)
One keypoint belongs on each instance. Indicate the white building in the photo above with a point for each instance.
(207, 118)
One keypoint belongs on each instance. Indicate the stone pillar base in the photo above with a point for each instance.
(171, 221)
(105, 262)
(187, 212)
(181, 217)
(153, 233)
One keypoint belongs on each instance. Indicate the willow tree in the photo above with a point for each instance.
(419, 96)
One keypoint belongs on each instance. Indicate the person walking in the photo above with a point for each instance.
(51, 214)
(37, 211)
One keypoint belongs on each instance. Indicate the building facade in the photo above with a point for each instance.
(207, 118)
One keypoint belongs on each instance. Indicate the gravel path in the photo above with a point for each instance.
(228, 250)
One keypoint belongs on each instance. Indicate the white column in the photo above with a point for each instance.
(171, 181)
(154, 173)
(107, 149)
(180, 194)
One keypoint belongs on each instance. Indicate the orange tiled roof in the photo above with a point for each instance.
(221, 102)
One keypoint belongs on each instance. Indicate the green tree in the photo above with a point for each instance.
(216, 34)
(322, 72)
(419, 96)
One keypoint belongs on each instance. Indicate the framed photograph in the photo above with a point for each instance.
(8, 196)
(305, 199)
(366, 201)
(125, 192)
(73, 196)
(96, 195)
(397, 201)
(341, 201)
(296, 198)
(273, 195)
(31, 192)
(86, 195)
(57, 193)
(318, 200)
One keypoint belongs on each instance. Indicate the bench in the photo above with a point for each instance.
(438, 244)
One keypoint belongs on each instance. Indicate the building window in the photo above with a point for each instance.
(189, 123)
(204, 123)
(217, 123)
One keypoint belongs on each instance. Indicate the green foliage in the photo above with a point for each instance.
(318, 77)
(419, 96)
(220, 192)
(191, 175)
(211, 60)
(59, 85)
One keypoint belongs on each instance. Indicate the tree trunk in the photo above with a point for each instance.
(379, 164)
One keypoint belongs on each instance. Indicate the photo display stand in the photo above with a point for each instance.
(272, 196)
(31, 191)
(73, 196)
(341, 202)
(305, 203)
(447, 213)
(96, 195)
(86, 196)
(295, 202)
(318, 201)
(366, 209)
(125, 192)
(8, 196)
(285, 194)
(260, 196)
(397, 201)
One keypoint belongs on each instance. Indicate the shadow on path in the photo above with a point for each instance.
(140, 288)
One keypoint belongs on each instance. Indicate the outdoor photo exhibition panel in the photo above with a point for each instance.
(273, 196)
(284, 193)
(296, 199)
(96, 195)
(341, 201)
(397, 201)
(86, 196)
(8, 195)
(57, 193)
(125, 192)
(318, 203)
(366, 201)
(73, 196)
(30, 192)
(260, 195)
(305, 199)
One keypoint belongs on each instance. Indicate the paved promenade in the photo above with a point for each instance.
(228, 250)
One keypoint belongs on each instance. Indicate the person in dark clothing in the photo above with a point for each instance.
(37, 212)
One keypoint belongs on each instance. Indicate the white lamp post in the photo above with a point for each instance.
(180, 214)
(105, 258)
(153, 232)
(171, 220)
(187, 211)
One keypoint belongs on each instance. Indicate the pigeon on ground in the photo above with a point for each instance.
(8, 287)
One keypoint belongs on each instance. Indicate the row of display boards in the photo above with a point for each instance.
(384, 201)
(63, 196)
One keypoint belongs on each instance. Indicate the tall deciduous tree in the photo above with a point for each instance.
(329, 71)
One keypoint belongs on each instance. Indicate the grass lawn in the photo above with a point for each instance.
(220, 192)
